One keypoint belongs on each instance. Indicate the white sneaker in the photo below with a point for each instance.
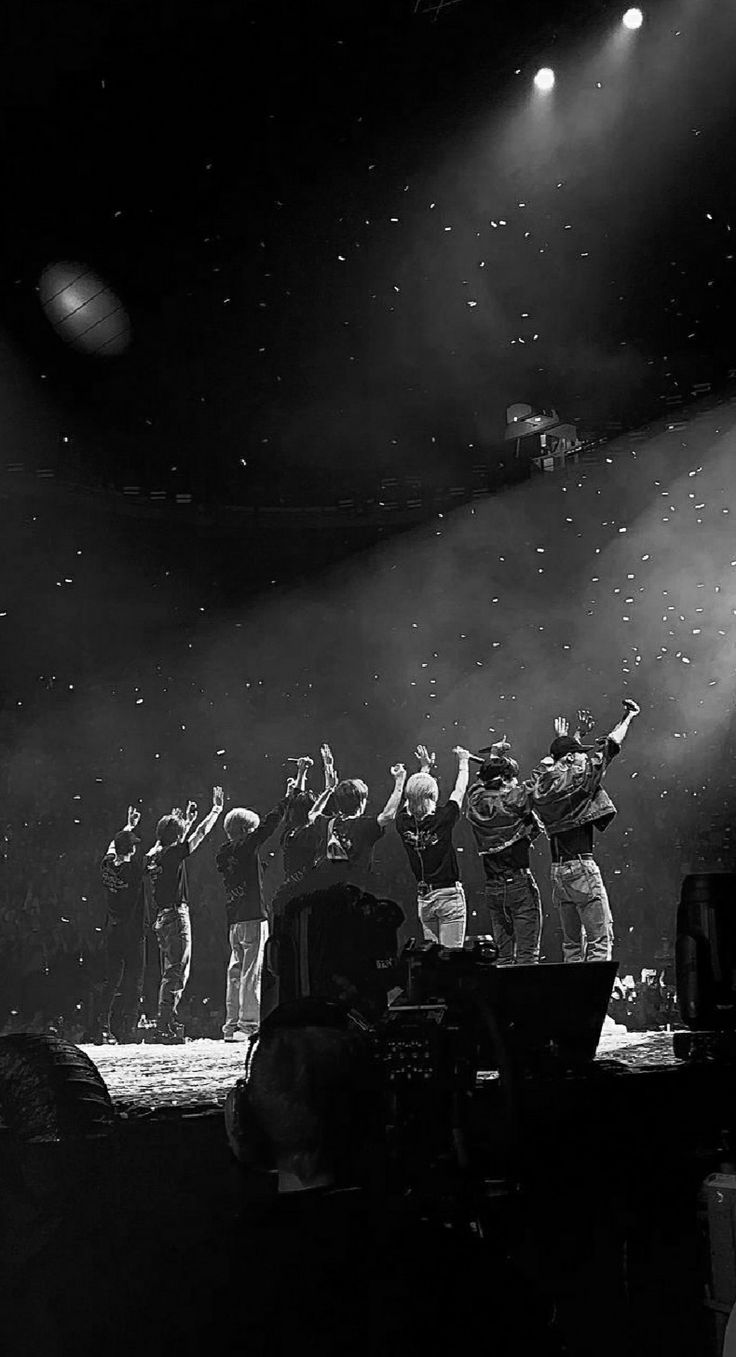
(237, 1036)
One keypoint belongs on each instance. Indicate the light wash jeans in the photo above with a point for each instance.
(243, 993)
(443, 915)
(585, 914)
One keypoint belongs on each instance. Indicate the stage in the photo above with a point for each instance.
(198, 1076)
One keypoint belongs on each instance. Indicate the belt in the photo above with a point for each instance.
(509, 876)
(575, 857)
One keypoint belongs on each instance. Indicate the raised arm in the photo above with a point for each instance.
(618, 734)
(319, 805)
(209, 821)
(328, 762)
(270, 823)
(388, 813)
(131, 822)
(463, 772)
(298, 783)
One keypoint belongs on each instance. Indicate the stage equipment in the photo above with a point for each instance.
(50, 1091)
(83, 310)
(338, 943)
(549, 1017)
(705, 951)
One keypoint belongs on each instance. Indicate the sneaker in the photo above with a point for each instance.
(169, 1035)
(237, 1035)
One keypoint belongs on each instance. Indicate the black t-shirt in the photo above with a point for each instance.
(302, 848)
(168, 875)
(352, 841)
(123, 884)
(429, 845)
(241, 869)
(513, 859)
(572, 843)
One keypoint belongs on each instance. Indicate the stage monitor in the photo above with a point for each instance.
(551, 1014)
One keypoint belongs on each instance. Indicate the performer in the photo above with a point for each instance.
(501, 815)
(241, 869)
(124, 939)
(426, 831)
(351, 834)
(571, 802)
(168, 886)
(304, 833)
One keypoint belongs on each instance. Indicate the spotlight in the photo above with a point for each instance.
(633, 18)
(544, 79)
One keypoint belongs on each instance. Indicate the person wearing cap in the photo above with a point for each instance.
(122, 987)
(426, 829)
(501, 814)
(571, 802)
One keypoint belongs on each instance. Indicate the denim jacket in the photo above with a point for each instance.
(499, 818)
(566, 796)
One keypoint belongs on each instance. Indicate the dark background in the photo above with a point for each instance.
(212, 163)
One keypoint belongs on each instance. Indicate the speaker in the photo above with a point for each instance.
(552, 1013)
(705, 951)
(548, 1016)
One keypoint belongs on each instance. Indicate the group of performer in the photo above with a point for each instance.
(330, 834)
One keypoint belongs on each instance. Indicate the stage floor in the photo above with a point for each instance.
(199, 1075)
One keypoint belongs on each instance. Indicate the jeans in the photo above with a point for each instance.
(243, 993)
(585, 914)
(116, 997)
(173, 930)
(443, 915)
(515, 912)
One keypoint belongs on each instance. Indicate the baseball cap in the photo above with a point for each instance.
(496, 769)
(567, 744)
(125, 842)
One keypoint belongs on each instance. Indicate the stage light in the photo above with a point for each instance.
(633, 18)
(83, 309)
(544, 79)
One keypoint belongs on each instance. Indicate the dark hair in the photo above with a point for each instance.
(298, 811)
(348, 795)
(168, 830)
(125, 842)
(307, 1090)
(497, 770)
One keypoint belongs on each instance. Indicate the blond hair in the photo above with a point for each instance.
(421, 788)
(239, 822)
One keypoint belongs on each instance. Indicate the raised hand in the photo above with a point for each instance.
(327, 756)
(631, 706)
(398, 770)
(218, 798)
(304, 761)
(177, 812)
(586, 719)
(462, 754)
(133, 817)
(562, 725)
(191, 810)
(424, 755)
(291, 785)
